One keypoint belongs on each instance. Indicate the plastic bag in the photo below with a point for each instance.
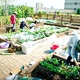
(4, 45)
(14, 77)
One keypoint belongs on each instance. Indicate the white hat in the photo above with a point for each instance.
(15, 12)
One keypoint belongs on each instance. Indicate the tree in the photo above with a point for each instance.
(23, 8)
(5, 3)
(29, 12)
(11, 9)
(78, 11)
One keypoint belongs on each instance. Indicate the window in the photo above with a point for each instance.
(74, 8)
(75, 3)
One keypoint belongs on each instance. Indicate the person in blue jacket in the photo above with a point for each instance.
(22, 25)
(73, 49)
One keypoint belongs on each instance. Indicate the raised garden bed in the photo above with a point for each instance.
(69, 26)
(34, 39)
(38, 40)
(64, 33)
(53, 68)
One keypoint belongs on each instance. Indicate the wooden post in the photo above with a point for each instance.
(47, 16)
(61, 19)
(54, 16)
(71, 19)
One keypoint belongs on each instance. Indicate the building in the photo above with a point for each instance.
(52, 7)
(40, 8)
(72, 4)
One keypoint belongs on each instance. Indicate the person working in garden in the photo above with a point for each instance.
(73, 49)
(13, 21)
(34, 24)
(22, 25)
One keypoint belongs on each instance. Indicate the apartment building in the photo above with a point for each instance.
(40, 8)
(72, 4)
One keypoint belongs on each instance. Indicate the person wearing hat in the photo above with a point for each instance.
(13, 21)
(73, 49)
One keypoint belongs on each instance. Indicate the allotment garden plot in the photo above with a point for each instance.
(33, 38)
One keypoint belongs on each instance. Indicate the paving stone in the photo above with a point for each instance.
(10, 63)
(1, 75)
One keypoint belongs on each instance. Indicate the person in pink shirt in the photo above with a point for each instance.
(13, 21)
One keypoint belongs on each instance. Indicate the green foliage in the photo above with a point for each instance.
(41, 12)
(11, 9)
(54, 65)
(74, 13)
(29, 22)
(23, 11)
(78, 11)
(58, 12)
(4, 20)
(7, 21)
(1, 10)
(37, 34)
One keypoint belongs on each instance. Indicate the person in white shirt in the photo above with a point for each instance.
(33, 24)
(73, 49)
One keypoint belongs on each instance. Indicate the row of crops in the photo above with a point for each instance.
(29, 35)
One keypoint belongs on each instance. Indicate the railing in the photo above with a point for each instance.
(61, 18)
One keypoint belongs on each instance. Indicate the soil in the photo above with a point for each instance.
(42, 73)
(45, 74)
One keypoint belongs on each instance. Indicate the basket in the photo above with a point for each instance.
(11, 50)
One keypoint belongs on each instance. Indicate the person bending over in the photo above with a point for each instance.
(22, 25)
(73, 49)
(34, 24)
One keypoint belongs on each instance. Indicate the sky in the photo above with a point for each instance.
(57, 4)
